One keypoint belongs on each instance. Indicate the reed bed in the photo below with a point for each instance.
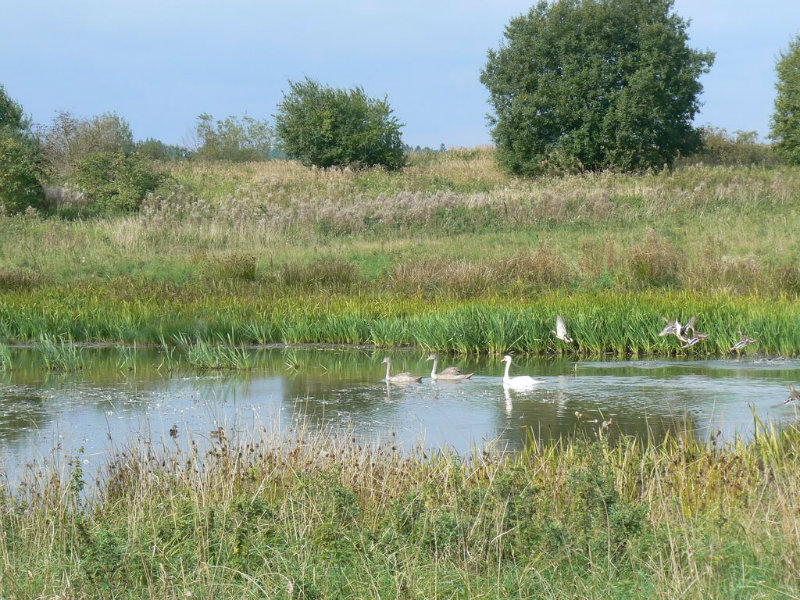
(219, 321)
(223, 355)
(59, 354)
(308, 514)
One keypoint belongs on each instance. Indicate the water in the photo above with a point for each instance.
(46, 417)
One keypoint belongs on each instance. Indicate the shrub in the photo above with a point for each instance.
(233, 139)
(327, 127)
(21, 171)
(70, 140)
(594, 84)
(115, 182)
(21, 162)
(158, 150)
(740, 148)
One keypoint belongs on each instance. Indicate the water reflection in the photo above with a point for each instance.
(344, 390)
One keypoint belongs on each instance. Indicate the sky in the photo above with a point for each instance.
(161, 63)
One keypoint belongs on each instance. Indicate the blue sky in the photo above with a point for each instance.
(160, 63)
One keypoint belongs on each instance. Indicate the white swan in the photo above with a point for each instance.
(521, 382)
(400, 377)
(450, 373)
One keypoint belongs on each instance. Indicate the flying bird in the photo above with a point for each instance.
(672, 328)
(697, 337)
(561, 330)
(690, 325)
(793, 395)
(743, 341)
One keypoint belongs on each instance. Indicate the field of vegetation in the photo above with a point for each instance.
(304, 514)
(448, 253)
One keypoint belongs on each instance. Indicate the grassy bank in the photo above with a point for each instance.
(448, 253)
(307, 515)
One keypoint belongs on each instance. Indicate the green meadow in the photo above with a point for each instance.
(449, 254)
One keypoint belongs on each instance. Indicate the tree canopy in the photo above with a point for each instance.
(21, 162)
(785, 126)
(594, 84)
(324, 126)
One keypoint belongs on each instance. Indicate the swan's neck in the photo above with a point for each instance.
(508, 366)
(388, 368)
(433, 371)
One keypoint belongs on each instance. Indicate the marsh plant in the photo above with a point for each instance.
(5, 358)
(60, 354)
(307, 513)
(223, 354)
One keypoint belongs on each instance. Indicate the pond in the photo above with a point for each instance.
(45, 417)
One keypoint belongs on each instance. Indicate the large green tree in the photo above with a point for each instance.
(785, 128)
(327, 127)
(21, 162)
(594, 84)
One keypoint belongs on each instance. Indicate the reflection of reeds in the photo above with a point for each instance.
(5, 358)
(311, 514)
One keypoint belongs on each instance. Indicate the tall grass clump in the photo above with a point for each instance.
(60, 354)
(305, 513)
(223, 355)
(6, 363)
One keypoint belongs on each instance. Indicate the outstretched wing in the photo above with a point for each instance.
(561, 327)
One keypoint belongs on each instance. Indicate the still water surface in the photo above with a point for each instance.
(107, 407)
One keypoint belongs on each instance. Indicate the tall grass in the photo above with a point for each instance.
(220, 321)
(5, 358)
(309, 514)
(59, 354)
(223, 355)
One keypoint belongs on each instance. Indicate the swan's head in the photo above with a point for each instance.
(386, 360)
(506, 358)
(431, 357)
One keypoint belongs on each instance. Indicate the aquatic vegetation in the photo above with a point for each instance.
(303, 512)
(5, 358)
(223, 355)
(201, 319)
(60, 354)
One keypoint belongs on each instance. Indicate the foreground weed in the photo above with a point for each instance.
(307, 513)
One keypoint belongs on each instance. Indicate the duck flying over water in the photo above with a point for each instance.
(690, 325)
(672, 328)
(561, 330)
(743, 341)
(794, 395)
(697, 337)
